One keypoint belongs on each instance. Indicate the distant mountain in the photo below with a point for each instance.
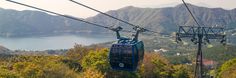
(4, 50)
(29, 23)
(165, 19)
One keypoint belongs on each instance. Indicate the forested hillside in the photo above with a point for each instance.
(88, 62)
(84, 62)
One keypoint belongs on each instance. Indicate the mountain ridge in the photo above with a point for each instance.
(27, 22)
(164, 16)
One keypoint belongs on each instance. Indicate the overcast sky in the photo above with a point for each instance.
(69, 8)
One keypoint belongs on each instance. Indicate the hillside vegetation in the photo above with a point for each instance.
(87, 62)
(82, 62)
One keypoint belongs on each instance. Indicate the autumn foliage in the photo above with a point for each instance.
(86, 62)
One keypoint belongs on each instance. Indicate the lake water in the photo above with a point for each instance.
(52, 42)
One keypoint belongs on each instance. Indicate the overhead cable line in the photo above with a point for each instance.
(191, 13)
(111, 16)
(66, 16)
(200, 35)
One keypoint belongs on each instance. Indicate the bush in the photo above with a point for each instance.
(5, 73)
(97, 59)
(92, 73)
(228, 69)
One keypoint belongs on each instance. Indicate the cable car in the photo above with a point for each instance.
(127, 54)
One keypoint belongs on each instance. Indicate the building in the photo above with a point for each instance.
(209, 63)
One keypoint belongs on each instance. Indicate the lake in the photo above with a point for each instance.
(52, 42)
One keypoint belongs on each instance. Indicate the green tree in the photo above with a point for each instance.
(228, 69)
(93, 73)
(97, 59)
(77, 53)
(5, 73)
(43, 67)
(58, 70)
(28, 69)
(155, 66)
(181, 71)
(74, 57)
(161, 69)
(122, 74)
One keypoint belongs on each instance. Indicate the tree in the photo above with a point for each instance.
(97, 59)
(228, 69)
(181, 71)
(28, 69)
(122, 74)
(43, 67)
(5, 73)
(92, 73)
(77, 53)
(155, 66)
(74, 57)
(58, 70)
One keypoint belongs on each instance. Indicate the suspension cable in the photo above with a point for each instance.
(191, 13)
(111, 16)
(66, 16)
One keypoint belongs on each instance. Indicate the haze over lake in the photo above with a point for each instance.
(52, 42)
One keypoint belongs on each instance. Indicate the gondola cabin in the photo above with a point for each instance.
(126, 56)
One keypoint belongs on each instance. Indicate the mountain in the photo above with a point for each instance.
(4, 50)
(33, 23)
(27, 23)
(165, 19)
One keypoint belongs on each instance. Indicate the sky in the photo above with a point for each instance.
(68, 8)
